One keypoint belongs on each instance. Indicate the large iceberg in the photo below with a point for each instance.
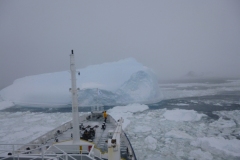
(115, 83)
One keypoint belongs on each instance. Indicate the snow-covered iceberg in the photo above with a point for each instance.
(122, 82)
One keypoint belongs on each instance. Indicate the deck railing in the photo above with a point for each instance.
(56, 152)
(126, 140)
(130, 148)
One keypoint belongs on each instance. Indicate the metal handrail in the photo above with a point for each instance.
(111, 118)
(130, 146)
(45, 153)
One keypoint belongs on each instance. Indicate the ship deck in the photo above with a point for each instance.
(61, 138)
(101, 135)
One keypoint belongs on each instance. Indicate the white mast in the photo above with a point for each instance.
(75, 121)
(97, 99)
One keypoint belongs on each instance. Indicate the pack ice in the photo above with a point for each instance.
(122, 82)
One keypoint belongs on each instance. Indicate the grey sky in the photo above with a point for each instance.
(171, 37)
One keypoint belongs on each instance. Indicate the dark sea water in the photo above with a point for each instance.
(219, 101)
(203, 104)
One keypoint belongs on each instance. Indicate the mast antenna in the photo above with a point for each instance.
(74, 91)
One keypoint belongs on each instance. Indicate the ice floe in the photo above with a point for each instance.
(182, 115)
(222, 123)
(142, 129)
(199, 154)
(6, 104)
(181, 104)
(219, 145)
(184, 138)
(178, 134)
(126, 112)
(180, 90)
(150, 142)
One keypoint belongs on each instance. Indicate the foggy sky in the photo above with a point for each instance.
(172, 37)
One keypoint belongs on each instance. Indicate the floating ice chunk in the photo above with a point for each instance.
(219, 145)
(222, 123)
(199, 154)
(132, 108)
(142, 129)
(179, 154)
(178, 134)
(150, 142)
(182, 115)
(126, 112)
(218, 104)
(6, 104)
(193, 101)
(181, 104)
(234, 115)
(32, 119)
